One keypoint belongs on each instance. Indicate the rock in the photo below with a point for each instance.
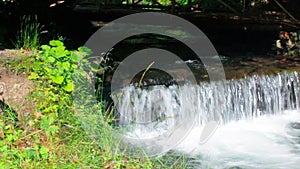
(235, 167)
(295, 125)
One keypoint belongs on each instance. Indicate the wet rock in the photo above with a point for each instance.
(235, 167)
(295, 125)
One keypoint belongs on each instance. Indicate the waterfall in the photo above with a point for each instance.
(157, 118)
(224, 101)
(256, 114)
(250, 97)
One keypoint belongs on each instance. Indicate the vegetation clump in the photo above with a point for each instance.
(51, 135)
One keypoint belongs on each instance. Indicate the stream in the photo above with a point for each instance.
(259, 120)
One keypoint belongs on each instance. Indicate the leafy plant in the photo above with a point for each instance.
(53, 136)
(56, 65)
(53, 69)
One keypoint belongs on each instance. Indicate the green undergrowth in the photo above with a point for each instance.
(52, 134)
(28, 36)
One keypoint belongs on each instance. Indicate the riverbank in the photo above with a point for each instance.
(25, 139)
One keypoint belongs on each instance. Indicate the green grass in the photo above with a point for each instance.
(28, 37)
(57, 138)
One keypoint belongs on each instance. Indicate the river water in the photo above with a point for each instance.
(258, 119)
(265, 142)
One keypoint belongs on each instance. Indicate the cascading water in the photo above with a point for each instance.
(250, 97)
(254, 114)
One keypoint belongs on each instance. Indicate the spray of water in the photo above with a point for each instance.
(248, 136)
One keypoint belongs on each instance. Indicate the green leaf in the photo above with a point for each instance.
(74, 66)
(31, 154)
(85, 50)
(44, 124)
(50, 59)
(47, 121)
(44, 152)
(45, 47)
(60, 52)
(9, 137)
(60, 70)
(36, 66)
(57, 79)
(47, 69)
(69, 87)
(33, 76)
(95, 68)
(66, 66)
(74, 57)
(52, 117)
(56, 43)
(54, 71)
(52, 130)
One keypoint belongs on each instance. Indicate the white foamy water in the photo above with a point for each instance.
(266, 142)
(254, 115)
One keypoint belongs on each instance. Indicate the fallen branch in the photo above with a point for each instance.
(286, 11)
(229, 7)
